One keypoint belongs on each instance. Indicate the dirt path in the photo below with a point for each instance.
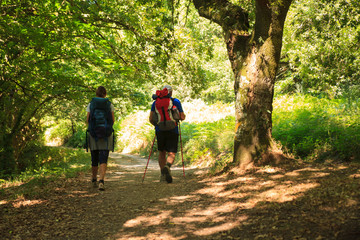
(270, 203)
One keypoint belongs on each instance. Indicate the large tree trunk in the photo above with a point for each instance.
(254, 58)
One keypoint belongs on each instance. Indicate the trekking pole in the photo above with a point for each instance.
(149, 158)
(182, 156)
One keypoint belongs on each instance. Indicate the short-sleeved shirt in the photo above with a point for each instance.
(101, 144)
(178, 105)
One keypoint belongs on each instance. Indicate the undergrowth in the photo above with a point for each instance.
(307, 127)
(52, 163)
(310, 128)
(317, 129)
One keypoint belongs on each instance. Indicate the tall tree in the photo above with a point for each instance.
(254, 53)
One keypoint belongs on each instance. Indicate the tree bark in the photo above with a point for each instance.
(254, 55)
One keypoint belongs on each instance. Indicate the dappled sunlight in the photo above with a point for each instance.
(285, 193)
(181, 199)
(10, 184)
(152, 220)
(220, 228)
(214, 209)
(26, 203)
(266, 200)
(222, 203)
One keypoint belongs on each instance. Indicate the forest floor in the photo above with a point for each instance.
(307, 202)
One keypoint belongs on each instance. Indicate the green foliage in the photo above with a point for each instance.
(206, 140)
(313, 128)
(49, 163)
(55, 53)
(321, 49)
(198, 66)
(77, 140)
(42, 161)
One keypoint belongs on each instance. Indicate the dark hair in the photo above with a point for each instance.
(101, 92)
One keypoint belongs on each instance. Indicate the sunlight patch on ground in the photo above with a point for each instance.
(148, 221)
(214, 210)
(351, 202)
(11, 184)
(181, 199)
(24, 203)
(355, 175)
(156, 235)
(211, 190)
(285, 193)
(270, 170)
(220, 228)
(189, 219)
(231, 198)
(258, 191)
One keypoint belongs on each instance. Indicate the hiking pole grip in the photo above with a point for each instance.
(182, 156)
(149, 158)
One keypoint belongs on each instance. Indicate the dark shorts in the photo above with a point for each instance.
(99, 156)
(167, 141)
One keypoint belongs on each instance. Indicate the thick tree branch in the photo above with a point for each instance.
(229, 16)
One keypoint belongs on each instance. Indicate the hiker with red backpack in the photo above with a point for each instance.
(100, 119)
(165, 114)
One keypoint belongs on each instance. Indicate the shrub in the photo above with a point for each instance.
(314, 128)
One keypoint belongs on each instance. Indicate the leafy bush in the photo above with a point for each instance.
(314, 128)
(206, 140)
(77, 140)
(49, 163)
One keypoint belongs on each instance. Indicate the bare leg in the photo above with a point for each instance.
(103, 167)
(94, 171)
(162, 159)
(171, 157)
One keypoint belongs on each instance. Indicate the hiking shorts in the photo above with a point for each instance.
(99, 156)
(167, 141)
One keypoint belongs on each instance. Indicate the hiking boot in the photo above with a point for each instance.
(101, 186)
(162, 178)
(94, 183)
(167, 173)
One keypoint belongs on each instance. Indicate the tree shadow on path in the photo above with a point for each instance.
(313, 202)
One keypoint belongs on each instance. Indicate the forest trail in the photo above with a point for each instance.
(267, 203)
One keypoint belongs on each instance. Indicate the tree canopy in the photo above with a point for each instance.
(55, 53)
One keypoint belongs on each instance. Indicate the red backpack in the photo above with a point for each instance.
(166, 113)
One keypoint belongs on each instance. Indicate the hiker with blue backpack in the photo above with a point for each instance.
(166, 112)
(100, 119)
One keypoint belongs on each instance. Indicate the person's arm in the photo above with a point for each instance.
(179, 107)
(150, 117)
(152, 112)
(87, 118)
(113, 117)
(182, 116)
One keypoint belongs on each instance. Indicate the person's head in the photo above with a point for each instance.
(169, 88)
(101, 92)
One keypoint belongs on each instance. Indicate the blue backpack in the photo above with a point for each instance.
(100, 120)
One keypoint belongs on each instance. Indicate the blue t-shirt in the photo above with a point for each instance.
(177, 104)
